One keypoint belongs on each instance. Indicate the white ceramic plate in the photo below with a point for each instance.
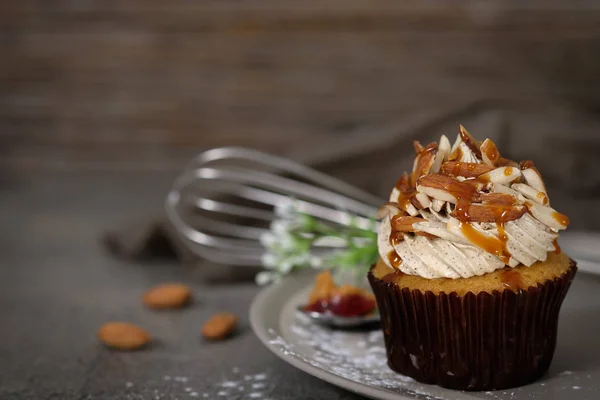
(356, 361)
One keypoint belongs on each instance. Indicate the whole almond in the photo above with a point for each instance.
(489, 213)
(169, 295)
(445, 188)
(123, 336)
(504, 199)
(219, 326)
(468, 170)
(405, 223)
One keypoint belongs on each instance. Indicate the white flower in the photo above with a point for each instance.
(285, 266)
(265, 277)
(280, 227)
(287, 242)
(316, 262)
(269, 260)
(301, 259)
(292, 237)
(268, 239)
(286, 210)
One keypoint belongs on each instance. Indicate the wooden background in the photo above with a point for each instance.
(146, 84)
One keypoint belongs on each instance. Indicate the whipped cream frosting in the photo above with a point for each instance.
(466, 211)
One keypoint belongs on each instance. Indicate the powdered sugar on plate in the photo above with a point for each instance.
(357, 356)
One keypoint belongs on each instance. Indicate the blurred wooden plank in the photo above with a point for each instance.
(95, 80)
(316, 15)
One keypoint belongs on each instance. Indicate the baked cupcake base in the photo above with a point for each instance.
(490, 332)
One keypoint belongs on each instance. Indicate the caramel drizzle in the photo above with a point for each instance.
(466, 193)
(425, 157)
(511, 279)
(405, 198)
(394, 259)
(471, 143)
(491, 244)
(557, 248)
(455, 155)
(396, 237)
(526, 164)
(468, 170)
(561, 218)
(489, 149)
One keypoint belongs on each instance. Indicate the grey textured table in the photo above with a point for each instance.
(57, 286)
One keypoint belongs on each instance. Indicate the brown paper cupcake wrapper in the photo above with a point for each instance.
(486, 341)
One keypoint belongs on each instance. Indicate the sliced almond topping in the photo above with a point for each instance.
(498, 199)
(404, 223)
(445, 188)
(531, 193)
(470, 141)
(438, 159)
(489, 153)
(457, 143)
(449, 208)
(478, 184)
(388, 209)
(497, 188)
(505, 162)
(403, 184)
(411, 210)
(418, 147)
(416, 203)
(548, 216)
(423, 162)
(439, 195)
(468, 170)
(425, 234)
(444, 148)
(534, 179)
(526, 164)
(424, 200)
(488, 213)
(502, 175)
(456, 154)
(436, 205)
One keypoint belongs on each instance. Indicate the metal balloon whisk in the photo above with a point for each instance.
(224, 202)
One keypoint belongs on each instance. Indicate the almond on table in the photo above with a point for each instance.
(219, 326)
(168, 296)
(123, 336)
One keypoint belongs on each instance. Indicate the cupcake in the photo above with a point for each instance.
(470, 278)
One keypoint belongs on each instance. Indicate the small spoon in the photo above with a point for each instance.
(337, 321)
